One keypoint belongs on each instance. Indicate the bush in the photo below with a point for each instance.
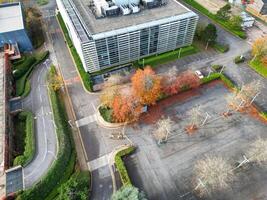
(77, 187)
(21, 69)
(125, 179)
(212, 77)
(106, 113)
(239, 59)
(217, 68)
(29, 140)
(221, 48)
(63, 166)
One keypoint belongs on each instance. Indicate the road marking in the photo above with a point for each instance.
(86, 120)
(99, 162)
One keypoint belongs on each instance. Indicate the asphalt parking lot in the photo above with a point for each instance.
(166, 171)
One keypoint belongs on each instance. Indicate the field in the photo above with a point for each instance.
(166, 171)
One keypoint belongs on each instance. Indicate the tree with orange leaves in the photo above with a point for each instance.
(259, 48)
(146, 85)
(264, 61)
(126, 108)
(186, 79)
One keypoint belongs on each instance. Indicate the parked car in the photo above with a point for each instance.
(199, 74)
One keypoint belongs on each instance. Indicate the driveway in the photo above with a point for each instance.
(46, 141)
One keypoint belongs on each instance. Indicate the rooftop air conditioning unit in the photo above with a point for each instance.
(125, 10)
(135, 8)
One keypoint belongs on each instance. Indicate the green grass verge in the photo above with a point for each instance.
(21, 82)
(225, 24)
(168, 56)
(125, 179)
(258, 67)
(29, 139)
(86, 78)
(63, 166)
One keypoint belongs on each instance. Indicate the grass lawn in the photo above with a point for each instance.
(224, 24)
(106, 113)
(258, 67)
(168, 56)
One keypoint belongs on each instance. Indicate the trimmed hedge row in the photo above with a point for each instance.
(168, 56)
(63, 166)
(86, 77)
(125, 179)
(29, 148)
(20, 83)
(227, 81)
(21, 69)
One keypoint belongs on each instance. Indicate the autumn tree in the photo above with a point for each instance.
(56, 82)
(125, 108)
(212, 174)
(164, 127)
(146, 85)
(264, 60)
(173, 85)
(258, 151)
(259, 48)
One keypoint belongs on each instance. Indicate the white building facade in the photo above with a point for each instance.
(115, 47)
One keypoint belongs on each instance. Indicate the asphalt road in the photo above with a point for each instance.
(46, 142)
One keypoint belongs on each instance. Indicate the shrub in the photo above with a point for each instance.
(212, 77)
(223, 48)
(29, 148)
(106, 113)
(217, 68)
(125, 179)
(77, 187)
(24, 67)
(63, 166)
(239, 59)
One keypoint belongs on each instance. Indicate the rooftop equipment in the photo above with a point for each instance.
(126, 2)
(125, 10)
(135, 8)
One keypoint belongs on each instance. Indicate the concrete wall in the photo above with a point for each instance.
(19, 36)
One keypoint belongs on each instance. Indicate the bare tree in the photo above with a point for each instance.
(196, 117)
(258, 151)
(114, 79)
(250, 91)
(233, 102)
(164, 127)
(212, 174)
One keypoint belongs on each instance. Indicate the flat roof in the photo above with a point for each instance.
(10, 17)
(95, 26)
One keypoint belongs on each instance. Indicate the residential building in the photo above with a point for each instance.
(111, 33)
(12, 26)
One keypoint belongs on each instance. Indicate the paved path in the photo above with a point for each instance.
(46, 142)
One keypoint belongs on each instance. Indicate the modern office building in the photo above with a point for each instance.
(12, 26)
(107, 33)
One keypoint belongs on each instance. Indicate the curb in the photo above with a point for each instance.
(77, 70)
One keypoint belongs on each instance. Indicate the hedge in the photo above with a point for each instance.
(29, 148)
(86, 78)
(21, 69)
(125, 179)
(63, 166)
(20, 83)
(213, 76)
(168, 56)
(225, 24)
(239, 59)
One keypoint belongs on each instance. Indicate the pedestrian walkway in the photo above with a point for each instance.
(86, 120)
(99, 162)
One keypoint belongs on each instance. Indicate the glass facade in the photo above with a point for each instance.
(127, 47)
